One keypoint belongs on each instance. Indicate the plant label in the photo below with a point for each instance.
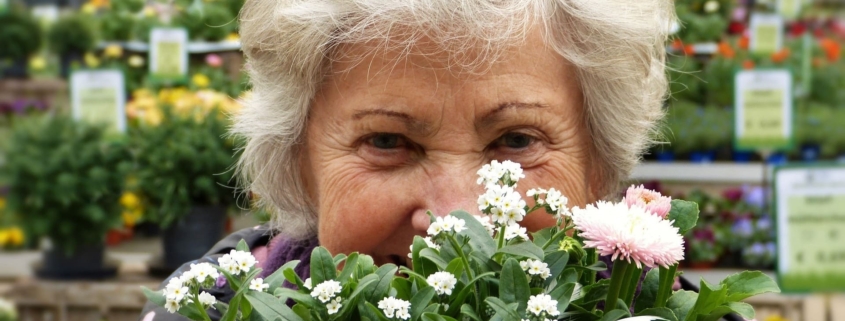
(789, 9)
(46, 13)
(98, 96)
(168, 53)
(810, 209)
(763, 110)
(766, 33)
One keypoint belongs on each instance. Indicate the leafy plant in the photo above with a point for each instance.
(65, 179)
(20, 34)
(72, 34)
(117, 25)
(719, 81)
(685, 81)
(182, 161)
(208, 21)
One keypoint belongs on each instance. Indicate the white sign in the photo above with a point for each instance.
(98, 96)
(168, 53)
(763, 109)
(46, 13)
(766, 33)
(810, 205)
(789, 9)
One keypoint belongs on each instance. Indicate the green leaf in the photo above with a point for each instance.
(708, 299)
(557, 262)
(371, 312)
(420, 301)
(681, 303)
(338, 258)
(665, 313)
(234, 306)
(156, 297)
(434, 257)
(271, 308)
(467, 311)
(596, 292)
(684, 215)
(524, 249)
(428, 316)
(293, 278)
(403, 288)
(348, 268)
(649, 291)
(614, 315)
(242, 246)
(322, 266)
(747, 284)
(456, 267)
(513, 284)
(541, 237)
(465, 292)
(423, 267)
(276, 279)
(285, 293)
(745, 310)
(385, 274)
(598, 267)
(302, 311)
(563, 294)
(507, 311)
(480, 241)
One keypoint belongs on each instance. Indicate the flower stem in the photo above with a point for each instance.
(628, 290)
(501, 237)
(664, 288)
(617, 280)
(200, 308)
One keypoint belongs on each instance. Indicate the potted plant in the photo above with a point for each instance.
(183, 172)
(118, 23)
(208, 21)
(21, 37)
(64, 181)
(703, 250)
(71, 37)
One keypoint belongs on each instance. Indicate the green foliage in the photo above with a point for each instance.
(72, 33)
(209, 21)
(65, 179)
(183, 161)
(823, 125)
(684, 75)
(20, 34)
(117, 25)
(129, 6)
(699, 25)
(693, 128)
(142, 28)
(719, 81)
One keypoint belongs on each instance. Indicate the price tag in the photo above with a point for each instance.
(168, 53)
(766, 33)
(789, 9)
(810, 209)
(763, 110)
(97, 96)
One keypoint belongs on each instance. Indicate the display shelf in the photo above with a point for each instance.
(704, 48)
(727, 172)
(194, 47)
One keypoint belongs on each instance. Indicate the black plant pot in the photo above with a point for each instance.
(16, 70)
(193, 235)
(86, 262)
(67, 61)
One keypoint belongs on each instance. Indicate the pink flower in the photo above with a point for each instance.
(213, 60)
(629, 233)
(652, 201)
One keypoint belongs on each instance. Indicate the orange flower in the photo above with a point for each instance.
(677, 44)
(780, 56)
(748, 64)
(725, 50)
(743, 42)
(831, 49)
(689, 50)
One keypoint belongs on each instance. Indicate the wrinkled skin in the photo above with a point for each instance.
(388, 140)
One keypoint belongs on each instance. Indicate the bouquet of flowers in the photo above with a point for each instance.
(487, 268)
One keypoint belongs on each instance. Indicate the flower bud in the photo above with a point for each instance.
(574, 248)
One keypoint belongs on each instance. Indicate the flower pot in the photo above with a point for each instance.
(86, 262)
(776, 159)
(17, 69)
(742, 156)
(703, 156)
(193, 235)
(665, 156)
(68, 61)
(810, 152)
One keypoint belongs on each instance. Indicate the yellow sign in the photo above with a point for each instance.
(169, 61)
(763, 110)
(99, 105)
(168, 53)
(97, 97)
(766, 33)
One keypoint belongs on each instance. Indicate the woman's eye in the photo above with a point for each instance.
(515, 140)
(387, 141)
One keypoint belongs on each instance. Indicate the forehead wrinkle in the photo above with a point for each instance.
(495, 115)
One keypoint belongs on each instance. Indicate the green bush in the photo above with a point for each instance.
(719, 81)
(684, 75)
(20, 35)
(73, 33)
(210, 21)
(65, 180)
(117, 25)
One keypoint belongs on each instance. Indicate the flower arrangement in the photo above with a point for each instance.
(485, 268)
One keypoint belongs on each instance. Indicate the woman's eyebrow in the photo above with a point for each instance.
(495, 114)
(412, 124)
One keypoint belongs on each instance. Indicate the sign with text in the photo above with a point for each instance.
(810, 209)
(789, 9)
(763, 110)
(766, 35)
(168, 53)
(97, 96)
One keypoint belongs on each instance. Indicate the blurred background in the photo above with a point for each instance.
(109, 192)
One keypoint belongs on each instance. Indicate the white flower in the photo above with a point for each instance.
(334, 305)
(392, 306)
(203, 271)
(542, 303)
(175, 290)
(443, 282)
(504, 204)
(446, 223)
(307, 283)
(237, 262)
(326, 291)
(514, 230)
(257, 284)
(206, 299)
(711, 6)
(557, 202)
(172, 305)
(536, 267)
(485, 221)
(187, 278)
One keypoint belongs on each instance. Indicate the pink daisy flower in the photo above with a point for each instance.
(629, 233)
(652, 201)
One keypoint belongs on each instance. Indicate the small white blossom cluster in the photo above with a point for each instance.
(443, 282)
(485, 221)
(326, 291)
(178, 289)
(542, 305)
(503, 204)
(446, 224)
(515, 230)
(536, 268)
(392, 306)
(237, 262)
(554, 201)
(257, 284)
(428, 241)
(507, 172)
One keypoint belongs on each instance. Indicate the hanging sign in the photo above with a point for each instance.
(97, 96)
(766, 33)
(810, 209)
(789, 9)
(168, 54)
(763, 110)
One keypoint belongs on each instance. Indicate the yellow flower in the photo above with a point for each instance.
(200, 80)
(136, 61)
(149, 11)
(775, 317)
(91, 60)
(153, 116)
(89, 8)
(15, 236)
(233, 37)
(131, 217)
(99, 3)
(130, 200)
(113, 51)
(4, 238)
(37, 63)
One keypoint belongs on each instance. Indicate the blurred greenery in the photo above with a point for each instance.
(20, 34)
(73, 33)
(209, 21)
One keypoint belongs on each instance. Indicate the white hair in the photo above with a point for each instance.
(616, 46)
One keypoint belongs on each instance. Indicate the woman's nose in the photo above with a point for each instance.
(454, 189)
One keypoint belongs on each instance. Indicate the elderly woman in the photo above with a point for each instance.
(365, 114)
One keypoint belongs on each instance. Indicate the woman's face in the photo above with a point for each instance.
(388, 140)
